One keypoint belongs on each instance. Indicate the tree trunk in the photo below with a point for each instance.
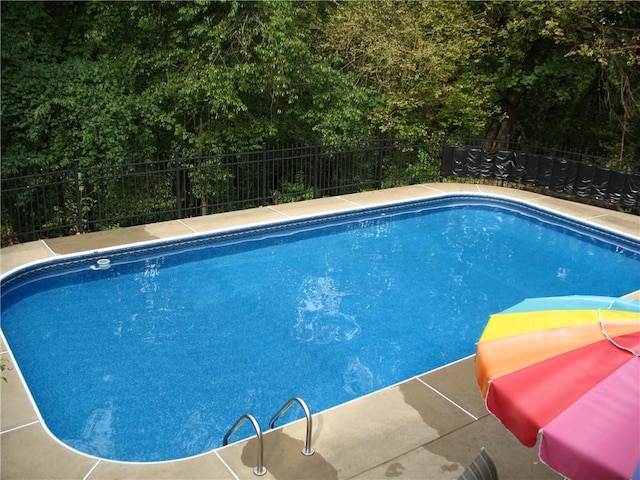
(498, 134)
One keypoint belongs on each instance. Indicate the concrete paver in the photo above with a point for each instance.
(513, 460)
(31, 453)
(22, 254)
(203, 467)
(236, 219)
(456, 380)
(17, 408)
(320, 206)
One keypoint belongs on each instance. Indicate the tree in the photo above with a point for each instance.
(60, 102)
(572, 65)
(607, 36)
(516, 58)
(105, 82)
(416, 59)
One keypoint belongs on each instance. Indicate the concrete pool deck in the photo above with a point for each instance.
(428, 427)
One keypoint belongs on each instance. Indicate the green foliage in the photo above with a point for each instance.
(421, 166)
(58, 103)
(108, 83)
(292, 191)
(417, 60)
(208, 181)
(569, 65)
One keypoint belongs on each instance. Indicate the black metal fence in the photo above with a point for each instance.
(578, 176)
(81, 199)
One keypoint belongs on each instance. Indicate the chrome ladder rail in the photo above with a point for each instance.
(259, 469)
(307, 450)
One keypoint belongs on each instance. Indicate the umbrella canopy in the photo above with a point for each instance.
(566, 369)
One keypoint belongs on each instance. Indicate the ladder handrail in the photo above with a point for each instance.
(307, 450)
(259, 469)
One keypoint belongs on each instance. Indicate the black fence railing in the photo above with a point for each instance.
(577, 176)
(82, 199)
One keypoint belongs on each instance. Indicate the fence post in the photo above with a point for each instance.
(443, 149)
(263, 197)
(76, 174)
(316, 162)
(178, 192)
(378, 181)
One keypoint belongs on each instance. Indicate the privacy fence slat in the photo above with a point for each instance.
(574, 178)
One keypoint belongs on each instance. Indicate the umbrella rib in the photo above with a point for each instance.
(604, 332)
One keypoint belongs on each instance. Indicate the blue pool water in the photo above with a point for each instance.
(157, 357)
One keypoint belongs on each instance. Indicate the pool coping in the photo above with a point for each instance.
(392, 432)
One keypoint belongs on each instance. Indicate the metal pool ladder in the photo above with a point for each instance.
(307, 450)
(260, 469)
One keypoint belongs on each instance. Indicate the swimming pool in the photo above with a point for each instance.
(308, 300)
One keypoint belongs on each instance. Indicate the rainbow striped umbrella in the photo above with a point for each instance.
(566, 370)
